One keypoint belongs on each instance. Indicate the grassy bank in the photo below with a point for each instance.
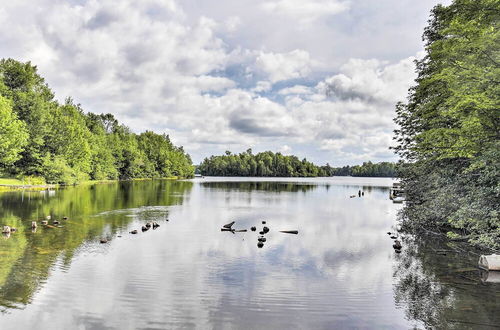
(10, 184)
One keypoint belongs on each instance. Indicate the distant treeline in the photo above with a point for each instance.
(63, 144)
(383, 169)
(269, 164)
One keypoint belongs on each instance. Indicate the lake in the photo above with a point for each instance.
(340, 271)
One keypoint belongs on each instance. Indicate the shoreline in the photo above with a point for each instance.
(41, 187)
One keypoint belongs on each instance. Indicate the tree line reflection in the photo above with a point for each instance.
(27, 256)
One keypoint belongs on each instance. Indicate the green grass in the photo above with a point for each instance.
(10, 181)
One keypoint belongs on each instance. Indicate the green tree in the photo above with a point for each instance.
(13, 134)
(449, 128)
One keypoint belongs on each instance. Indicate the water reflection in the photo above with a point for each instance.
(439, 284)
(340, 271)
(27, 256)
(267, 186)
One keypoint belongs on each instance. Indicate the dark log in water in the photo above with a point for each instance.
(289, 231)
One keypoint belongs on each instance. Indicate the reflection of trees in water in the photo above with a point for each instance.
(26, 257)
(444, 291)
(265, 186)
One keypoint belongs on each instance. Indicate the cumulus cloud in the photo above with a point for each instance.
(284, 66)
(218, 77)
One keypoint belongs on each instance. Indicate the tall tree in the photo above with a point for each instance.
(449, 128)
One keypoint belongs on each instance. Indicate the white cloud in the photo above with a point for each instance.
(284, 66)
(305, 11)
(297, 90)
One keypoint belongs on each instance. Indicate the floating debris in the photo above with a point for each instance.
(289, 231)
(55, 222)
(393, 237)
(261, 239)
(260, 245)
(263, 222)
(229, 225)
(134, 231)
(148, 225)
(265, 230)
(261, 232)
(253, 229)
(155, 225)
(144, 228)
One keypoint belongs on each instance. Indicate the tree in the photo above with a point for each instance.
(13, 134)
(449, 128)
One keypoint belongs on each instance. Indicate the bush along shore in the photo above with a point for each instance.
(449, 135)
(60, 143)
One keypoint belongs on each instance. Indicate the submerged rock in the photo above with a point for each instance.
(260, 245)
(253, 229)
(134, 231)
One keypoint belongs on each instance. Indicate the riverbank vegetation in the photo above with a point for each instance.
(39, 137)
(269, 164)
(449, 135)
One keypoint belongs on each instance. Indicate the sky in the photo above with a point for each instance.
(317, 78)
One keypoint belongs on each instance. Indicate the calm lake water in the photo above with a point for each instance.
(339, 272)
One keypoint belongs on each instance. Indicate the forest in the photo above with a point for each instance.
(368, 169)
(269, 164)
(449, 136)
(60, 143)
